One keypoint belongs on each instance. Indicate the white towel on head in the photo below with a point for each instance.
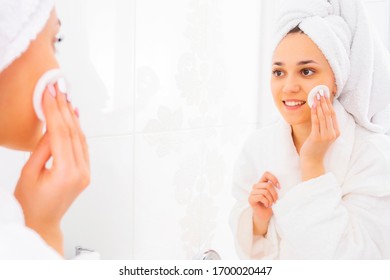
(20, 22)
(359, 60)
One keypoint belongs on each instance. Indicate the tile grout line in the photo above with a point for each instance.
(134, 123)
(185, 130)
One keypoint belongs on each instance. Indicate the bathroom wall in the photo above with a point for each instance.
(167, 91)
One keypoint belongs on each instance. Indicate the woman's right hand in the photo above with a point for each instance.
(46, 194)
(261, 198)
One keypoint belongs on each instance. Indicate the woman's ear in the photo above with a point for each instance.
(334, 90)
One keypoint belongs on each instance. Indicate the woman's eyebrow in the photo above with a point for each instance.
(303, 62)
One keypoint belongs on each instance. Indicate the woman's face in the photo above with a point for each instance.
(19, 127)
(298, 66)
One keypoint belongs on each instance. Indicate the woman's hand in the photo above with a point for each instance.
(324, 132)
(261, 198)
(46, 194)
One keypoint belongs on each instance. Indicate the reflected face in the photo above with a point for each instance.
(298, 66)
(20, 128)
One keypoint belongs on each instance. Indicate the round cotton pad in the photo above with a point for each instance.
(51, 76)
(321, 89)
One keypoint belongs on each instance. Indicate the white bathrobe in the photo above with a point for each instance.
(343, 214)
(16, 240)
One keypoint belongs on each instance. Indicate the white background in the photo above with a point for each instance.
(167, 91)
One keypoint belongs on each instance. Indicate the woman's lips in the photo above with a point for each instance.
(293, 104)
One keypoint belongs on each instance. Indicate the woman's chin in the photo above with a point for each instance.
(24, 146)
(27, 144)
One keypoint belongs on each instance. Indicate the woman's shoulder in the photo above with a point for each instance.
(365, 138)
(369, 169)
(371, 145)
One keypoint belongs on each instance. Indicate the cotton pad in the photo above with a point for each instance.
(321, 89)
(52, 76)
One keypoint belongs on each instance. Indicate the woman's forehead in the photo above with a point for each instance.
(297, 47)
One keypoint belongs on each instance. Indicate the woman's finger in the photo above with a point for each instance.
(269, 187)
(328, 115)
(334, 118)
(75, 141)
(57, 129)
(255, 199)
(265, 193)
(267, 176)
(75, 117)
(37, 161)
(315, 123)
(321, 117)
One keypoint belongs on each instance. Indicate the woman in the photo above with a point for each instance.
(324, 188)
(30, 219)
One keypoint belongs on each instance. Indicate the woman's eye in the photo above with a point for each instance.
(307, 72)
(57, 41)
(277, 73)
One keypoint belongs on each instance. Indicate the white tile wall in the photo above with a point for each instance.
(97, 55)
(11, 164)
(197, 91)
(193, 61)
(190, 103)
(182, 191)
(102, 216)
(266, 110)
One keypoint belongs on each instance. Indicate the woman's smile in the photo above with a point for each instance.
(293, 104)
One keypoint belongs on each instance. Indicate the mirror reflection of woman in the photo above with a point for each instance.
(316, 185)
(30, 219)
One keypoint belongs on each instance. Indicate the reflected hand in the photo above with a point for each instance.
(261, 198)
(324, 132)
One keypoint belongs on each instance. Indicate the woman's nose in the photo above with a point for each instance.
(291, 85)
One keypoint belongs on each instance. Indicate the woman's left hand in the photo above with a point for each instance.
(324, 131)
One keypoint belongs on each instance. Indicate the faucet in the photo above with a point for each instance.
(208, 256)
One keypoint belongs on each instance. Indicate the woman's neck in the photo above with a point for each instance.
(299, 134)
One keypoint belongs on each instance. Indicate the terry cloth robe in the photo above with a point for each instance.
(343, 214)
(16, 240)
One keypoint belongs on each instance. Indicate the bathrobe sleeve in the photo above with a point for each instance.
(323, 218)
(246, 173)
(18, 242)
